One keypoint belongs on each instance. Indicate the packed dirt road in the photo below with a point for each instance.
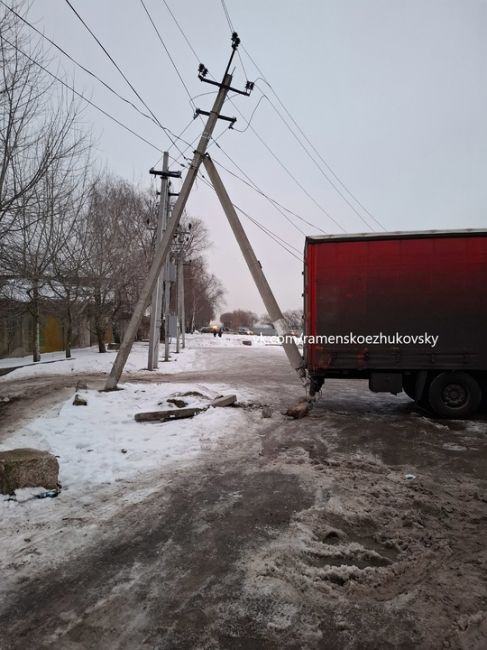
(360, 527)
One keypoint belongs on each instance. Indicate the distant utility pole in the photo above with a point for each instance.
(156, 301)
(168, 281)
(163, 249)
(182, 318)
(181, 243)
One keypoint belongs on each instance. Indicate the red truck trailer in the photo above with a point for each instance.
(405, 310)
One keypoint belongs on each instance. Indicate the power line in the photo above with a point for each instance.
(309, 142)
(90, 72)
(251, 115)
(327, 165)
(73, 90)
(279, 240)
(271, 234)
(278, 206)
(90, 31)
(320, 207)
(276, 238)
(167, 52)
(257, 189)
(289, 173)
(318, 166)
(181, 31)
(252, 185)
(229, 21)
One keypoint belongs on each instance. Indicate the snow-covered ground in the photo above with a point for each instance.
(107, 459)
(102, 443)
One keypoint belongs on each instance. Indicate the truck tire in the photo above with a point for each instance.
(454, 394)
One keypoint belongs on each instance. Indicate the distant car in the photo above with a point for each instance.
(245, 331)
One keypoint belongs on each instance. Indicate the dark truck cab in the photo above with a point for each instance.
(405, 310)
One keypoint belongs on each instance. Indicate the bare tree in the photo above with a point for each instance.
(294, 319)
(118, 251)
(67, 281)
(239, 318)
(43, 223)
(33, 122)
(203, 294)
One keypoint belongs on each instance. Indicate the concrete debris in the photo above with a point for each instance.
(25, 467)
(299, 410)
(168, 414)
(224, 400)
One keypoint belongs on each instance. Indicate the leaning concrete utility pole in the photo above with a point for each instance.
(165, 244)
(156, 301)
(255, 268)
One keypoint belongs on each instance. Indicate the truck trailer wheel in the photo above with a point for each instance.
(454, 394)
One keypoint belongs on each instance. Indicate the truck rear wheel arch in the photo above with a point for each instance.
(454, 394)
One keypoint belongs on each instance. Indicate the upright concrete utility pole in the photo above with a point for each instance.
(167, 307)
(182, 318)
(165, 245)
(180, 299)
(255, 268)
(156, 301)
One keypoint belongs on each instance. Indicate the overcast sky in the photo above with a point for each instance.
(392, 94)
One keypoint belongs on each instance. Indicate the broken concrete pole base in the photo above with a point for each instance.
(299, 410)
(79, 401)
(21, 468)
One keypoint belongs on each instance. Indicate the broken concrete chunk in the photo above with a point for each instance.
(79, 401)
(299, 410)
(171, 414)
(21, 468)
(224, 400)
